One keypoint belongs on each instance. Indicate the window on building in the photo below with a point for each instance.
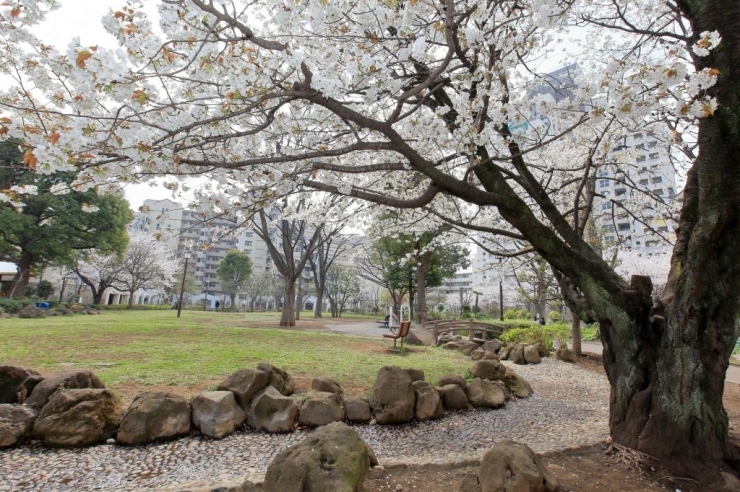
(652, 144)
(657, 179)
(671, 191)
(637, 136)
(248, 234)
(640, 146)
(603, 183)
(608, 239)
(641, 158)
(247, 243)
(606, 206)
(620, 191)
(624, 226)
(654, 156)
(644, 181)
(663, 228)
(603, 172)
(658, 192)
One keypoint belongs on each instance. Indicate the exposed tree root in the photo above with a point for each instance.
(633, 459)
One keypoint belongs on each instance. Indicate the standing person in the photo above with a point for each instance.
(218, 303)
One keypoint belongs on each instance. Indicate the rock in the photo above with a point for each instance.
(565, 354)
(325, 383)
(70, 379)
(488, 369)
(518, 386)
(78, 417)
(31, 311)
(357, 410)
(517, 354)
(504, 353)
(542, 349)
(454, 398)
(244, 383)
(4, 315)
(511, 466)
(464, 346)
(321, 408)
(420, 336)
(16, 424)
(487, 355)
(532, 355)
(278, 379)
(504, 389)
(216, 414)
(416, 374)
(453, 379)
(271, 411)
(428, 403)
(477, 354)
(393, 396)
(732, 484)
(154, 416)
(17, 381)
(334, 458)
(482, 393)
(492, 345)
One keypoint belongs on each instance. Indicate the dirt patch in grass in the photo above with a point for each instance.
(128, 390)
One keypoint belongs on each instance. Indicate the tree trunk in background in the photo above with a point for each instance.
(422, 268)
(287, 318)
(299, 305)
(576, 336)
(21, 278)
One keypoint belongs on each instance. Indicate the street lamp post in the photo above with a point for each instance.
(182, 285)
(205, 302)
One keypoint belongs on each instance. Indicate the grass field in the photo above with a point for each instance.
(135, 350)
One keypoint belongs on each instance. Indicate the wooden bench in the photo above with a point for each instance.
(403, 332)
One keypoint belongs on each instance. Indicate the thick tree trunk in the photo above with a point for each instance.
(131, 298)
(287, 318)
(97, 294)
(299, 303)
(422, 268)
(318, 308)
(411, 297)
(22, 277)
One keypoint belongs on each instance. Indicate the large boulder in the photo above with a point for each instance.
(517, 354)
(271, 411)
(216, 414)
(415, 374)
(16, 424)
(73, 379)
(565, 354)
(278, 379)
(393, 396)
(334, 458)
(490, 369)
(532, 355)
(488, 355)
(518, 386)
(357, 410)
(16, 383)
(453, 397)
(244, 383)
(31, 311)
(428, 403)
(542, 349)
(78, 417)
(511, 466)
(482, 393)
(492, 345)
(465, 346)
(325, 383)
(477, 354)
(420, 336)
(154, 416)
(453, 379)
(321, 408)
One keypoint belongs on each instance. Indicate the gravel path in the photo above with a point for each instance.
(569, 408)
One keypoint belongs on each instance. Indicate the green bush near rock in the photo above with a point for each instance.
(535, 333)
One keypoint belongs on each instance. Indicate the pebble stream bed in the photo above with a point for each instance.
(569, 408)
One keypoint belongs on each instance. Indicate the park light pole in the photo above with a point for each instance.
(205, 302)
(182, 285)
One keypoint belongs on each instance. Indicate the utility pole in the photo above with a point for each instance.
(501, 299)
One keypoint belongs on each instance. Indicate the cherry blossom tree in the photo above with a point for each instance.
(432, 106)
(147, 264)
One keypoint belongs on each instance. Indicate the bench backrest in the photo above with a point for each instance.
(404, 329)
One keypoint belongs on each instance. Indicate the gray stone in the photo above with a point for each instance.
(517, 354)
(334, 458)
(492, 345)
(511, 466)
(532, 355)
(416, 374)
(453, 379)
(542, 349)
(70, 379)
(78, 417)
(393, 397)
(278, 378)
(565, 354)
(453, 398)
(357, 410)
(325, 383)
(518, 386)
(482, 393)
(31, 311)
(321, 408)
(488, 355)
(477, 354)
(504, 389)
(490, 369)
(16, 424)
(216, 414)
(420, 336)
(428, 403)
(244, 383)
(17, 383)
(271, 411)
(155, 416)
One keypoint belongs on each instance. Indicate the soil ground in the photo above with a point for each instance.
(588, 469)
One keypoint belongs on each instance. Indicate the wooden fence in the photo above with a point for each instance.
(471, 326)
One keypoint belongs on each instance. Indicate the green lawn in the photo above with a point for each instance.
(154, 348)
